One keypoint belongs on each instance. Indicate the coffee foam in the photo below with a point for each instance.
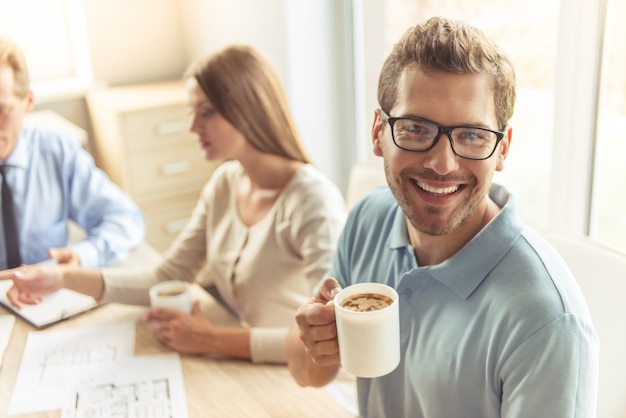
(366, 302)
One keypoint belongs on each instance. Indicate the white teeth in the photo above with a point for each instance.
(442, 191)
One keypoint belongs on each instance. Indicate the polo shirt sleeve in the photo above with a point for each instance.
(565, 349)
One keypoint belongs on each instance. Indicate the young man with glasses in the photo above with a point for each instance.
(492, 322)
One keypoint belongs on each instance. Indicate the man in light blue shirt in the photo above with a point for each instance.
(492, 322)
(498, 329)
(53, 180)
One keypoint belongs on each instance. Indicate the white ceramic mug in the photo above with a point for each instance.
(369, 342)
(172, 294)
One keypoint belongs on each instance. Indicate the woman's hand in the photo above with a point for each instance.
(31, 283)
(185, 333)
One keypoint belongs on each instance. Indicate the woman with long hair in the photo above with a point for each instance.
(265, 226)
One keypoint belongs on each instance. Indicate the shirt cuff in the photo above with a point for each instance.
(267, 345)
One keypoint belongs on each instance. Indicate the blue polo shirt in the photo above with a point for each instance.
(500, 329)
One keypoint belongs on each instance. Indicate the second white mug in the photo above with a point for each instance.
(172, 294)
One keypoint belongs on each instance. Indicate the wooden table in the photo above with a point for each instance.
(213, 387)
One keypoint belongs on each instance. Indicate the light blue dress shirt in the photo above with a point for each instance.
(500, 329)
(54, 180)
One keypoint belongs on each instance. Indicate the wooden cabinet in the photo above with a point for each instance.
(142, 141)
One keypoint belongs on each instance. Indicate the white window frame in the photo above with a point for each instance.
(580, 37)
(80, 77)
(577, 85)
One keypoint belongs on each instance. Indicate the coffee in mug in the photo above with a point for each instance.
(170, 292)
(366, 302)
(368, 329)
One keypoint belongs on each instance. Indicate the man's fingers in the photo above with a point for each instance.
(315, 315)
(64, 256)
(323, 332)
(324, 353)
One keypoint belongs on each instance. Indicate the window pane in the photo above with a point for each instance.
(608, 215)
(529, 38)
(42, 31)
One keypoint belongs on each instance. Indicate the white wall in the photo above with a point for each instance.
(321, 83)
(135, 41)
(210, 25)
(370, 51)
(307, 43)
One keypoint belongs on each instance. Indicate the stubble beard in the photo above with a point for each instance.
(428, 219)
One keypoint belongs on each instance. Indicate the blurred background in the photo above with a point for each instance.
(566, 164)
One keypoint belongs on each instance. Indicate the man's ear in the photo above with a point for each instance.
(377, 133)
(505, 145)
(29, 101)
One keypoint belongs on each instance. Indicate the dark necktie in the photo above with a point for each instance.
(11, 240)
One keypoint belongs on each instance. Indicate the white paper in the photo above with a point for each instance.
(6, 327)
(51, 357)
(146, 386)
(54, 307)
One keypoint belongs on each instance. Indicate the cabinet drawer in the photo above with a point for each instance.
(159, 127)
(166, 221)
(158, 175)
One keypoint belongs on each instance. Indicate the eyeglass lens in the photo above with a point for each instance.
(418, 135)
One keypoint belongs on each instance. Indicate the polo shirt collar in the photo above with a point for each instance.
(465, 270)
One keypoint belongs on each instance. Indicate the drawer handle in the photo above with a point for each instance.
(175, 168)
(168, 128)
(174, 227)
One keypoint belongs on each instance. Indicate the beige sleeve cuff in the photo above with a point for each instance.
(267, 345)
(127, 287)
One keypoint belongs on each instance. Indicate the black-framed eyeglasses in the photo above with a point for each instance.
(420, 135)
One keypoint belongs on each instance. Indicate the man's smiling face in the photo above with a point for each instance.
(438, 190)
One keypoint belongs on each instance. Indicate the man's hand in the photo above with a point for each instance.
(312, 347)
(64, 255)
(316, 321)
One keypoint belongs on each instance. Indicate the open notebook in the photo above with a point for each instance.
(60, 305)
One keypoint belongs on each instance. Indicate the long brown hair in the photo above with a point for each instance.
(244, 88)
